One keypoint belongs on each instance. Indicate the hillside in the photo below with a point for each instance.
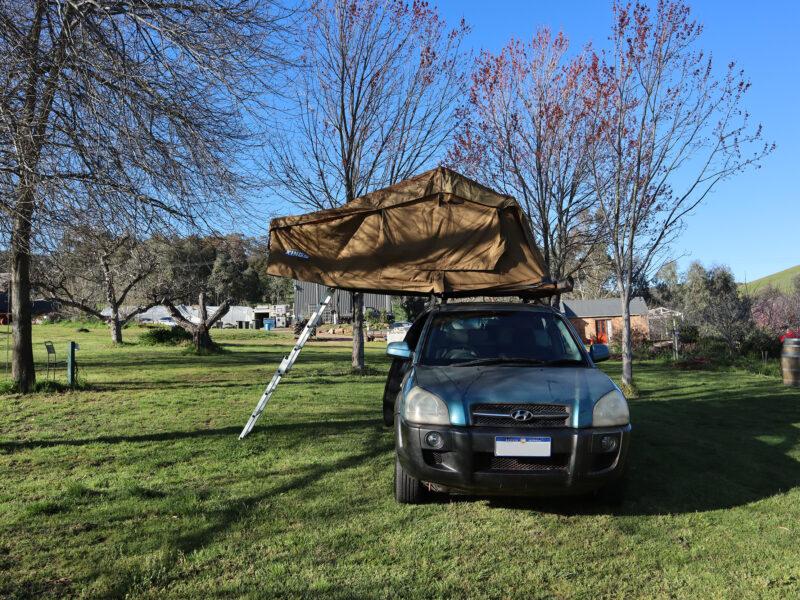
(781, 280)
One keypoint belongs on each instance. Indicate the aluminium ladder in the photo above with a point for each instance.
(288, 361)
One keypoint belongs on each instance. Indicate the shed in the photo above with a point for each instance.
(308, 295)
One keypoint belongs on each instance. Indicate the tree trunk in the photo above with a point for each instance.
(358, 330)
(116, 327)
(627, 352)
(202, 339)
(23, 370)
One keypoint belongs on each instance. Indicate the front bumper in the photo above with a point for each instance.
(465, 462)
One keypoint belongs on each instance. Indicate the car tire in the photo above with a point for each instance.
(388, 413)
(614, 493)
(407, 489)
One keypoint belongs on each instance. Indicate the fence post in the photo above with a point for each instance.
(71, 365)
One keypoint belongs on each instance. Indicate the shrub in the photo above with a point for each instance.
(165, 336)
(761, 340)
(689, 334)
(639, 339)
(712, 347)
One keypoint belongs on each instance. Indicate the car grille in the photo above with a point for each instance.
(499, 415)
(485, 461)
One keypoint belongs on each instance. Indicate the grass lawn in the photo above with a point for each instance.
(139, 487)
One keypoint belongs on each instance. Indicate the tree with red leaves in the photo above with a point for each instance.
(666, 131)
(525, 130)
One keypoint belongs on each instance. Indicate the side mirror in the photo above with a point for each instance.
(599, 352)
(398, 349)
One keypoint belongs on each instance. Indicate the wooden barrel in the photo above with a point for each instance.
(790, 361)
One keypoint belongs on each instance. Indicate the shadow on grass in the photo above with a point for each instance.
(266, 358)
(708, 450)
(237, 510)
(273, 429)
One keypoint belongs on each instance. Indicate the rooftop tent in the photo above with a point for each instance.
(435, 233)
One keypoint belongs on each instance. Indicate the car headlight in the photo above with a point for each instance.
(424, 408)
(611, 409)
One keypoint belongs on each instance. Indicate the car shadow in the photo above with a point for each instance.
(706, 451)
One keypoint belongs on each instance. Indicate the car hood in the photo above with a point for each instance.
(460, 387)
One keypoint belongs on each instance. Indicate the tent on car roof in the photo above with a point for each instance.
(435, 233)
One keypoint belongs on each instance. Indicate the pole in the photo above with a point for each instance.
(71, 366)
(674, 340)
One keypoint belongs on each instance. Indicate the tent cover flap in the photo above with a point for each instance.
(435, 233)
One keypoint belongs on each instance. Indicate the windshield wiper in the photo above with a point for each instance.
(498, 360)
(518, 361)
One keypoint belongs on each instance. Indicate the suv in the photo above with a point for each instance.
(500, 398)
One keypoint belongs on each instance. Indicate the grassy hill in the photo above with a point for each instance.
(781, 280)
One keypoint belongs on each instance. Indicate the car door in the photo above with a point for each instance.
(398, 370)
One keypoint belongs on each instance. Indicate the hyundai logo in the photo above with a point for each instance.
(521, 415)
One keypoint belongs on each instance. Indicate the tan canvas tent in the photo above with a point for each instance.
(435, 233)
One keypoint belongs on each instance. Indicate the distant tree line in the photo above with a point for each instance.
(714, 306)
(91, 270)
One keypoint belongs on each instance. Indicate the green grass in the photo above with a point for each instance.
(139, 487)
(781, 280)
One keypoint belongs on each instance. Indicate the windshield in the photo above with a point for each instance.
(501, 336)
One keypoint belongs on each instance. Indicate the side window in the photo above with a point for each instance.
(412, 337)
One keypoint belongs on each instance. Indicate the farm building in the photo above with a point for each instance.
(308, 295)
(240, 317)
(601, 320)
(280, 312)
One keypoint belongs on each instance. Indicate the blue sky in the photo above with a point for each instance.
(750, 222)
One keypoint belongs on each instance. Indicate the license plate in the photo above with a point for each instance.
(522, 446)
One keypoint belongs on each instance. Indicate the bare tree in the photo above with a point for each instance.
(199, 331)
(91, 268)
(129, 109)
(594, 278)
(525, 129)
(374, 104)
(666, 133)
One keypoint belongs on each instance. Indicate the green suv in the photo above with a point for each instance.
(501, 398)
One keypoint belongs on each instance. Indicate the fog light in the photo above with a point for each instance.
(608, 442)
(434, 439)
